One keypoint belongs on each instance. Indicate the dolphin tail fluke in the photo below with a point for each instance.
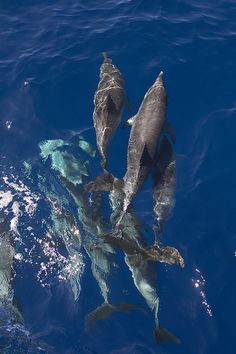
(102, 312)
(162, 335)
(105, 310)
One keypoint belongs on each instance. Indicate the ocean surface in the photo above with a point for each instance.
(50, 55)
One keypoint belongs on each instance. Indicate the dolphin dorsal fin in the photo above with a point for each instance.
(146, 159)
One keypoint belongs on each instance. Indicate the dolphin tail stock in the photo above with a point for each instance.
(162, 335)
(157, 230)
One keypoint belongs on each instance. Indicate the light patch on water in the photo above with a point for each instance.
(87, 147)
(66, 164)
(48, 146)
(29, 199)
(18, 256)
(5, 199)
(62, 267)
(30, 204)
(199, 283)
(15, 220)
(8, 124)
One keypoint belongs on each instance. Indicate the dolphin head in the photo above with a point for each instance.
(106, 59)
(159, 80)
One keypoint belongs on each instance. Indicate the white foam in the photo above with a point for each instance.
(5, 199)
(15, 220)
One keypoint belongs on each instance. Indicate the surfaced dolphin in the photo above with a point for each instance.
(109, 101)
(146, 133)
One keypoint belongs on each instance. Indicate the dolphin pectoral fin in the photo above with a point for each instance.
(129, 122)
(103, 182)
(146, 159)
(170, 130)
(162, 335)
(111, 107)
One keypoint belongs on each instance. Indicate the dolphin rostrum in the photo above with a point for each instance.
(109, 101)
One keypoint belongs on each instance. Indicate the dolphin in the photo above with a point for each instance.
(140, 260)
(148, 126)
(99, 251)
(109, 101)
(164, 179)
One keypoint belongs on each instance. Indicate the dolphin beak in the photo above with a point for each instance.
(159, 80)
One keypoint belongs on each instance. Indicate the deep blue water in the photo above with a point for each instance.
(49, 67)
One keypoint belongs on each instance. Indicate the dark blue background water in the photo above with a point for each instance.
(49, 66)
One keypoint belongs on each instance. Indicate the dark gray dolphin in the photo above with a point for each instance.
(146, 133)
(109, 101)
(164, 179)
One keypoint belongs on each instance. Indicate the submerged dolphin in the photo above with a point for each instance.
(8, 312)
(140, 260)
(109, 101)
(146, 133)
(99, 252)
(164, 179)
